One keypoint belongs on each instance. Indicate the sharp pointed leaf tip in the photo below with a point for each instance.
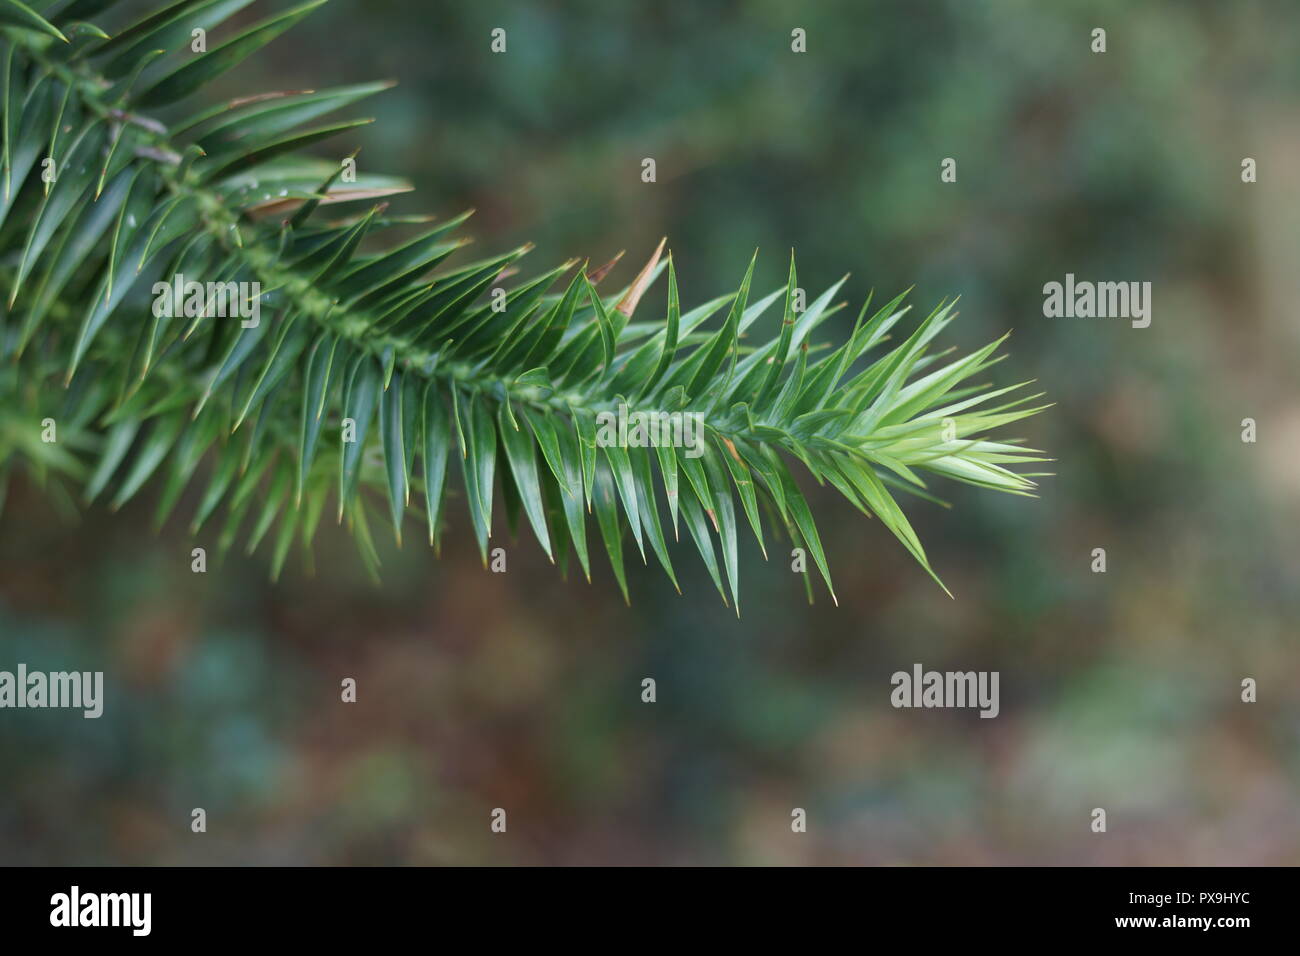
(596, 275)
(627, 305)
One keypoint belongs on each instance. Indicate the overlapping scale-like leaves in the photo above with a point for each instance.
(384, 376)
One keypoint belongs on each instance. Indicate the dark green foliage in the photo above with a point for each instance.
(418, 359)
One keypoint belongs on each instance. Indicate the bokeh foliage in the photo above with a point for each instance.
(1119, 690)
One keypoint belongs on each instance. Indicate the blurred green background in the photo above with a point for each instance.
(522, 691)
